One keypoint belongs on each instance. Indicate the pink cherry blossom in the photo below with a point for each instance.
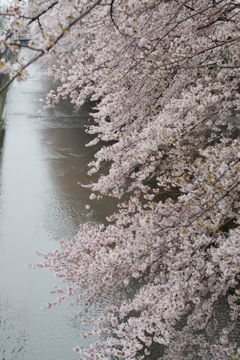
(164, 76)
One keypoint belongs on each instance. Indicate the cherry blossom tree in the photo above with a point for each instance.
(165, 78)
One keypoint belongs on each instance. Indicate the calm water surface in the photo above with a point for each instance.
(43, 157)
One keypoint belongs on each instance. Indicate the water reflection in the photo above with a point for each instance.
(10, 322)
(43, 159)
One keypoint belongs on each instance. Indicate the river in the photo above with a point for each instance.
(43, 157)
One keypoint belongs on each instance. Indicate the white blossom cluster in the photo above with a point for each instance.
(165, 78)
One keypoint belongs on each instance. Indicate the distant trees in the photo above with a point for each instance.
(166, 78)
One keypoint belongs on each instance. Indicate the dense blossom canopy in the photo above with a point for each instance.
(165, 78)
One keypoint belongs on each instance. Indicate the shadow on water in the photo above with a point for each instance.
(2, 137)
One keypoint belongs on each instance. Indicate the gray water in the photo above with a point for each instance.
(43, 157)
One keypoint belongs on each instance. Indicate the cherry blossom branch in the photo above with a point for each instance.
(42, 52)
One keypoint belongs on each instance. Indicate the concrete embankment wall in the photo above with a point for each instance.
(7, 56)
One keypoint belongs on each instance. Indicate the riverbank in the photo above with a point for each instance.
(6, 55)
